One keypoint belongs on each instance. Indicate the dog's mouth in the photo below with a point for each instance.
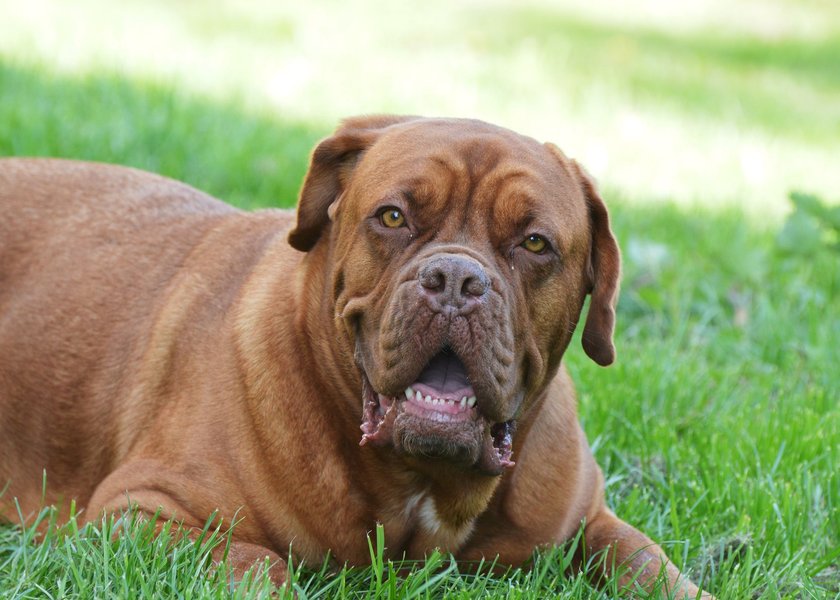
(438, 416)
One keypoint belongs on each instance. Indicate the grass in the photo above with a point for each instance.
(712, 104)
(250, 159)
(124, 557)
(719, 426)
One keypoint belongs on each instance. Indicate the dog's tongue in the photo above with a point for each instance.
(445, 372)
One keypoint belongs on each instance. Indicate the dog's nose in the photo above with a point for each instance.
(453, 280)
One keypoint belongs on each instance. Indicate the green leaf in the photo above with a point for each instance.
(809, 203)
(801, 234)
(832, 217)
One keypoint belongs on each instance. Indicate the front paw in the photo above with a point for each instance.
(243, 556)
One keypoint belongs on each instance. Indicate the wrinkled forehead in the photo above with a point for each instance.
(470, 164)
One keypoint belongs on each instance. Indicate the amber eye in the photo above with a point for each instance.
(392, 217)
(535, 243)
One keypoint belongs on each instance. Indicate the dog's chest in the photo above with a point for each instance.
(422, 525)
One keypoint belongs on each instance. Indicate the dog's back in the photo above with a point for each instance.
(88, 256)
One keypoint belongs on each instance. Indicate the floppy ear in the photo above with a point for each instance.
(604, 268)
(330, 169)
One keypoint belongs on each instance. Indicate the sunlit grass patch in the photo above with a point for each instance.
(712, 104)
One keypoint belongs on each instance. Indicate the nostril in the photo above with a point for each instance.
(475, 286)
(432, 279)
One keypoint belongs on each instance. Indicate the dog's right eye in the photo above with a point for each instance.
(392, 217)
(535, 243)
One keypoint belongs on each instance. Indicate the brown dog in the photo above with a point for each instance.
(162, 348)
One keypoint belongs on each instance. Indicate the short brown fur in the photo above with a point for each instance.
(162, 348)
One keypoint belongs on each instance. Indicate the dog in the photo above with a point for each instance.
(391, 353)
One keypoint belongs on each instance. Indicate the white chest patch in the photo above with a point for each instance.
(439, 533)
(411, 504)
(429, 519)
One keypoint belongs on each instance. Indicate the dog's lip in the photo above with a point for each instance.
(381, 410)
(419, 400)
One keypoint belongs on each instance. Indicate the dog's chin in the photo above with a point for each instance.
(458, 443)
(438, 418)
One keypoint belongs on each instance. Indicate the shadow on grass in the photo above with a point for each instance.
(251, 160)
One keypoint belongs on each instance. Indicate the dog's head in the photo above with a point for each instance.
(461, 257)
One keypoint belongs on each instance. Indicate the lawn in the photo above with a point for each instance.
(718, 428)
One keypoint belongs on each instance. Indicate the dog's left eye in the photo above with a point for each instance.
(535, 243)
(392, 217)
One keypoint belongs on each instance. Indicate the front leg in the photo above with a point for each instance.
(625, 549)
(155, 493)
(240, 557)
(244, 555)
